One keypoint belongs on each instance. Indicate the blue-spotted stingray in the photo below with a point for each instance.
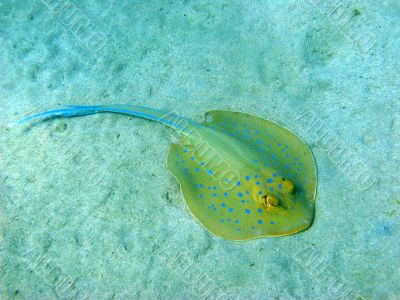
(243, 177)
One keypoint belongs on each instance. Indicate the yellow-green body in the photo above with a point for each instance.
(223, 147)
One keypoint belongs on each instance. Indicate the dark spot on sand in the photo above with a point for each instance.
(356, 12)
(61, 127)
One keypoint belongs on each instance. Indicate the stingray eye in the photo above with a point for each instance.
(270, 200)
(289, 186)
(263, 199)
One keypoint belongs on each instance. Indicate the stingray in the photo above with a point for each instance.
(242, 177)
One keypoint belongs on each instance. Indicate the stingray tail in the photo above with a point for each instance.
(169, 119)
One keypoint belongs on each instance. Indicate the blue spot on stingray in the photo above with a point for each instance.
(260, 193)
(274, 156)
(280, 186)
(259, 210)
(214, 195)
(192, 157)
(275, 174)
(214, 188)
(228, 219)
(240, 194)
(272, 222)
(201, 196)
(201, 185)
(237, 221)
(259, 142)
(185, 150)
(247, 211)
(209, 172)
(269, 180)
(256, 160)
(256, 131)
(256, 176)
(225, 194)
(279, 145)
(209, 188)
(197, 170)
(222, 221)
(202, 163)
(260, 222)
(223, 204)
(230, 209)
(247, 178)
(238, 183)
(243, 201)
(183, 161)
(247, 193)
(258, 183)
(287, 166)
(271, 189)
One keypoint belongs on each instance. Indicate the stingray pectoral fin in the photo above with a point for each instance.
(205, 198)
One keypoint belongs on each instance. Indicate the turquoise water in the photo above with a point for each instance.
(88, 207)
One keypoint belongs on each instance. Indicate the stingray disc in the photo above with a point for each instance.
(244, 177)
